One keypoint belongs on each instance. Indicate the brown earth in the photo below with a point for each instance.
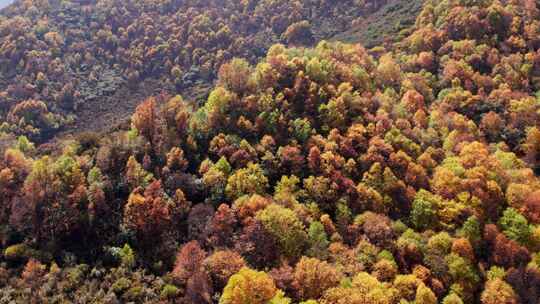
(110, 113)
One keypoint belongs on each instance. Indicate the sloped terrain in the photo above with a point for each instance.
(63, 61)
(386, 25)
(331, 174)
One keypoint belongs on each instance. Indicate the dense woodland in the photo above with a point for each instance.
(405, 173)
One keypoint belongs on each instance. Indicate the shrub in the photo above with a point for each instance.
(169, 292)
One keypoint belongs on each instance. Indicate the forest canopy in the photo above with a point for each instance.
(332, 174)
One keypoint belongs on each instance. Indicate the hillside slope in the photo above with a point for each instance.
(316, 175)
(384, 26)
(66, 61)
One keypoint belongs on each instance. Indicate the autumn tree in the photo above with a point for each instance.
(498, 291)
(151, 214)
(312, 277)
(299, 33)
(189, 261)
(222, 226)
(221, 265)
(284, 225)
(248, 286)
(234, 75)
(250, 180)
(258, 245)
